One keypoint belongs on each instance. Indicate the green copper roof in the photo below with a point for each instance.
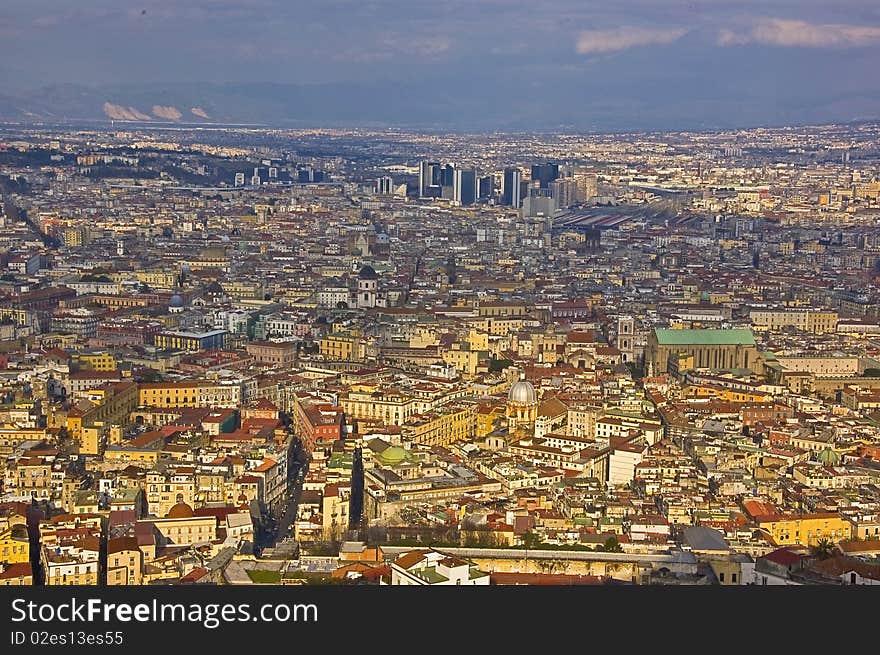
(739, 336)
(393, 455)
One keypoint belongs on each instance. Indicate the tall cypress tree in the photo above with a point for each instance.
(356, 500)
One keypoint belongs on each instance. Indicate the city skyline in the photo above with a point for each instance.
(249, 357)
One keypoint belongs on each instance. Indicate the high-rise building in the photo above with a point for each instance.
(464, 186)
(384, 185)
(539, 202)
(511, 188)
(484, 186)
(545, 174)
(588, 186)
(429, 176)
(447, 175)
(565, 191)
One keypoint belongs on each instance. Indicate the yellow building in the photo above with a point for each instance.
(191, 393)
(464, 360)
(478, 340)
(339, 346)
(16, 575)
(112, 405)
(166, 490)
(11, 436)
(806, 529)
(486, 419)
(31, 476)
(454, 422)
(390, 405)
(492, 309)
(811, 321)
(181, 528)
(157, 279)
(65, 569)
(14, 544)
(169, 394)
(143, 455)
(98, 361)
(723, 393)
(125, 562)
(334, 510)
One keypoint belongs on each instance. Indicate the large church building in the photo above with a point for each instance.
(713, 349)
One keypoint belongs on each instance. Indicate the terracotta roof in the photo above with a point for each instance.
(20, 570)
(837, 566)
(410, 559)
(860, 546)
(784, 557)
(120, 544)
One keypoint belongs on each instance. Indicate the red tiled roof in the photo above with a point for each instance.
(784, 557)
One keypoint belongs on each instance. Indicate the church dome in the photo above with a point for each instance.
(180, 511)
(176, 301)
(393, 455)
(828, 457)
(368, 273)
(522, 392)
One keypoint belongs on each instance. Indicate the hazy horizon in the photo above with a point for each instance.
(504, 64)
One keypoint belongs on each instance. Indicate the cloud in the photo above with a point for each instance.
(171, 113)
(424, 46)
(198, 111)
(798, 33)
(622, 38)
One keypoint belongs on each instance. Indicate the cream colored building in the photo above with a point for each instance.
(806, 320)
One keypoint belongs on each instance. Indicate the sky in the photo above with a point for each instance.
(564, 61)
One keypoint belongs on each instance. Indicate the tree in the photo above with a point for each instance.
(824, 549)
(356, 500)
(531, 540)
(496, 365)
(612, 545)
(872, 373)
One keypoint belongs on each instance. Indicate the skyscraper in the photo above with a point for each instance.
(384, 185)
(464, 186)
(484, 186)
(545, 173)
(429, 176)
(565, 190)
(510, 188)
(588, 186)
(447, 175)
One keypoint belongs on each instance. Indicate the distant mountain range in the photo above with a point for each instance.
(483, 104)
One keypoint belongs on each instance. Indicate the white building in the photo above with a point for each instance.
(622, 462)
(367, 294)
(430, 567)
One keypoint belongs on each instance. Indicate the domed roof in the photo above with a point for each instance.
(368, 273)
(176, 301)
(393, 455)
(522, 392)
(828, 457)
(180, 511)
